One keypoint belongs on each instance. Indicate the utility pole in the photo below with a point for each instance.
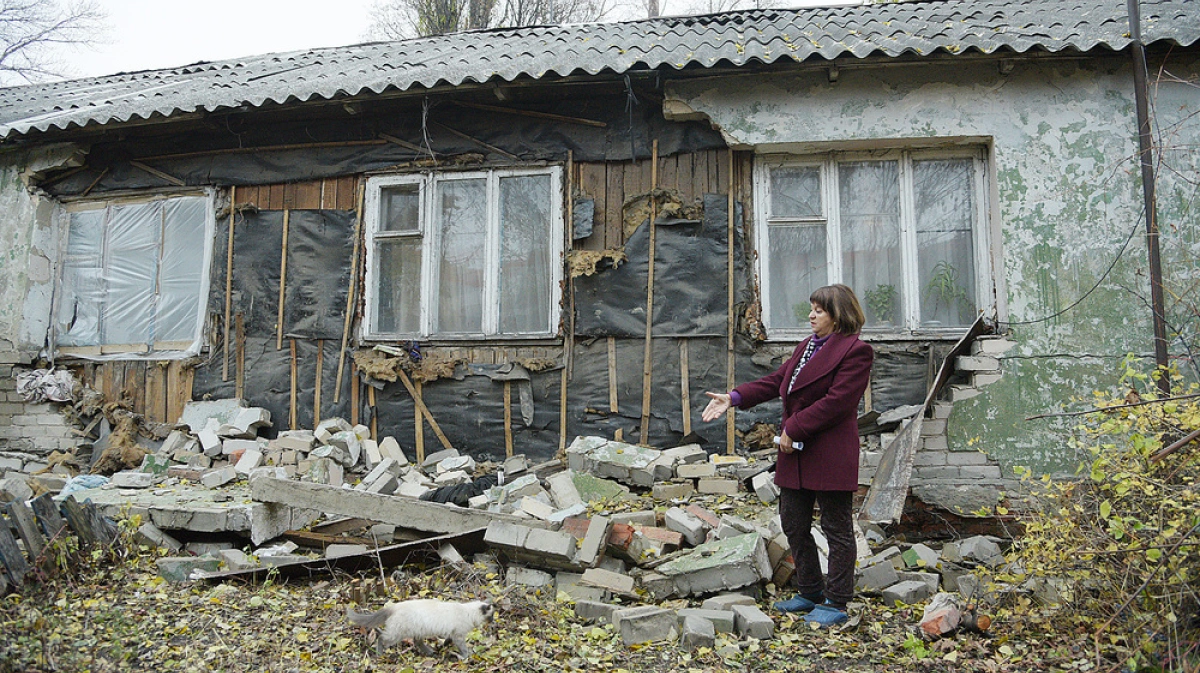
(1146, 151)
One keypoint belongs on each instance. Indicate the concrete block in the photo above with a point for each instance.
(932, 580)
(973, 472)
(717, 486)
(594, 611)
(920, 556)
(522, 576)
(981, 550)
(151, 535)
(572, 585)
(513, 491)
(687, 453)
(595, 540)
(991, 346)
(232, 446)
(726, 601)
(608, 580)
(554, 548)
(938, 443)
(696, 633)
(431, 460)
(411, 490)
(268, 472)
(908, 592)
(219, 477)
(384, 483)
(673, 491)
(371, 455)
(562, 489)
(250, 459)
(507, 536)
(325, 471)
(213, 549)
(931, 427)
(645, 624)
(245, 422)
(876, 577)
(236, 559)
(199, 461)
(778, 548)
(691, 527)
(719, 565)
(295, 440)
(535, 508)
(197, 414)
(456, 464)
(210, 443)
(642, 518)
(515, 465)
(982, 379)
(966, 458)
(958, 393)
(751, 622)
(765, 488)
(721, 620)
(177, 440)
(696, 471)
(179, 568)
(390, 448)
(330, 426)
(977, 363)
(349, 443)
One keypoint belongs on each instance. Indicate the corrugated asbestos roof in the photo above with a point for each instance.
(732, 38)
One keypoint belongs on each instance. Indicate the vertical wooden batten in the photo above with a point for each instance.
(229, 280)
(282, 283)
(349, 319)
(648, 353)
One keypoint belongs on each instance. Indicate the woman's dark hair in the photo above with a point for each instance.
(841, 305)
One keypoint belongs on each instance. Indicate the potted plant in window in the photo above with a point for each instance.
(880, 301)
(943, 287)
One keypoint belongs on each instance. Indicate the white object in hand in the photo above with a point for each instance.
(796, 446)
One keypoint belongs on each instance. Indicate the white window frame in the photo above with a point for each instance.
(429, 230)
(828, 162)
(161, 350)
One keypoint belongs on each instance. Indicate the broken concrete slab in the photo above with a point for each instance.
(719, 565)
(521, 576)
(691, 527)
(179, 568)
(593, 489)
(595, 541)
(725, 602)
(196, 414)
(696, 633)
(149, 534)
(572, 585)
(626, 463)
(908, 592)
(236, 559)
(390, 448)
(134, 479)
(876, 577)
(608, 581)
(595, 611)
(295, 440)
(431, 517)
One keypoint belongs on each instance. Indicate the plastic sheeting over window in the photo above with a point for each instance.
(133, 277)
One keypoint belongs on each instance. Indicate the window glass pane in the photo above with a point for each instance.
(525, 254)
(869, 203)
(400, 208)
(134, 232)
(796, 192)
(797, 266)
(398, 295)
(82, 295)
(944, 201)
(180, 278)
(462, 210)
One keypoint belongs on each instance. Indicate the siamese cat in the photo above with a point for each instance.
(421, 619)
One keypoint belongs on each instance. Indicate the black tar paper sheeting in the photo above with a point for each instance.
(183, 154)
(690, 272)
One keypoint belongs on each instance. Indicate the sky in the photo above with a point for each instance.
(152, 34)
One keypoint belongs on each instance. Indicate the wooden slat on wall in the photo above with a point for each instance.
(156, 392)
(346, 190)
(614, 198)
(135, 383)
(275, 197)
(592, 183)
(306, 195)
(683, 177)
(179, 388)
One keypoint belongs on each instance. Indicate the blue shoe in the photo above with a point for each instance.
(796, 603)
(826, 615)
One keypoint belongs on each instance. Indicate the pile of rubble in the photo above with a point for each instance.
(664, 544)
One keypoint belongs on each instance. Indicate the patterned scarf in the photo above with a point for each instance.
(814, 345)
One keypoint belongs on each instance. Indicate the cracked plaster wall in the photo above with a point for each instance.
(26, 264)
(1066, 195)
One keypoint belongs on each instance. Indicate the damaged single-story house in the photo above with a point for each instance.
(500, 240)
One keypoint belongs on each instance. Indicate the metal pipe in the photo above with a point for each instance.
(1146, 152)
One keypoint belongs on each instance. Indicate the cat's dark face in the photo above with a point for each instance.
(488, 611)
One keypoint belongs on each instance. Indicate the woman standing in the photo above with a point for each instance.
(821, 385)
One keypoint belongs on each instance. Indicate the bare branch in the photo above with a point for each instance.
(31, 29)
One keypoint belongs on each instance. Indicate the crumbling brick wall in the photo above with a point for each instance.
(29, 432)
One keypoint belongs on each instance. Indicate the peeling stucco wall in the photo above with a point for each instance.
(26, 263)
(1066, 192)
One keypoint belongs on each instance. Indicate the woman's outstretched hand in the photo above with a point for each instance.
(717, 406)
